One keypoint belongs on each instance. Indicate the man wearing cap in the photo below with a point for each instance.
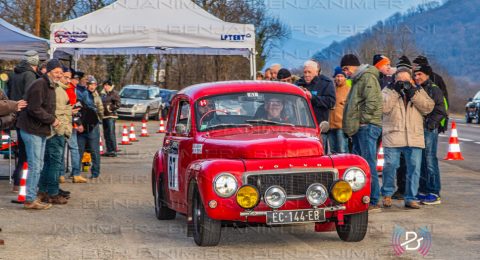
(404, 106)
(48, 186)
(362, 116)
(24, 74)
(321, 91)
(383, 64)
(111, 103)
(284, 75)
(35, 123)
(429, 190)
(336, 138)
(92, 115)
(434, 77)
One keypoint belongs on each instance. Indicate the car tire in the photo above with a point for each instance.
(162, 211)
(354, 228)
(146, 117)
(468, 120)
(158, 114)
(206, 231)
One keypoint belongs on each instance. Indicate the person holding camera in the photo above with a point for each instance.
(404, 106)
(429, 191)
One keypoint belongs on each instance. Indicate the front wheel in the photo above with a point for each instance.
(206, 231)
(162, 211)
(147, 115)
(354, 228)
(468, 120)
(158, 114)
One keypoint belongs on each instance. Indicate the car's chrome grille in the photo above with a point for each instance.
(295, 184)
(126, 105)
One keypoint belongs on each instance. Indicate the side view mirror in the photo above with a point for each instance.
(470, 99)
(324, 127)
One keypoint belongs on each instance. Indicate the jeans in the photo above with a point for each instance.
(53, 166)
(338, 141)
(430, 175)
(365, 145)
(109, 134)
(22, 158)
(74, 155)
(35, 148)
(93, 139)
(413, 160)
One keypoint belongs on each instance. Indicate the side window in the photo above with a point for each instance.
(171, 118)
(183, 123)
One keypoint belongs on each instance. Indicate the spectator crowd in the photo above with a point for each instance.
(403, 108)
(51, 107)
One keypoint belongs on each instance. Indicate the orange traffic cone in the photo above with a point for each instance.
(101, 146)
(380, 159)
(22, 193)
(161, 129)
(144, 129)
(454, 153)
(125, 139)
(132, 136)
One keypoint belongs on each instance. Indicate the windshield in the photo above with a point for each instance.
(477, 96)
(134, 93)
(251, 109)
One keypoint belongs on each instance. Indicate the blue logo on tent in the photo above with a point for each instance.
(235, 37)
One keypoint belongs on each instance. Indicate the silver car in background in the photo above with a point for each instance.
(140, 101)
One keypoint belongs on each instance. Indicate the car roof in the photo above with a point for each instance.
(140, 86)
(225, 87)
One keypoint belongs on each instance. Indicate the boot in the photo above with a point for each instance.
(79, 179)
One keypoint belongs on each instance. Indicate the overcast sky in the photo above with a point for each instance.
(316, 23)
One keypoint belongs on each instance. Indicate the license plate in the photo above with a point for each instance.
(295, 216)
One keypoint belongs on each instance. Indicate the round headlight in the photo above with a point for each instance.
(247, 197)
(341, 191)
(225, 185)
(355, 177)
(317, 194)
(275, 196)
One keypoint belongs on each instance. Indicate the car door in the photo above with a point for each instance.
(177, 151)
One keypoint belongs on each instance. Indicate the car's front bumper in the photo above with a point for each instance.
(131, 112)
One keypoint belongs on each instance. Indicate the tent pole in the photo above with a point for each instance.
(253, 64)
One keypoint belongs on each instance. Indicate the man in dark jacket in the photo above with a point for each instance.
(35, 125)
(23, 75)
(322, 93)
(362, 116)
(111, 103)
(429, 190)
(434, 77)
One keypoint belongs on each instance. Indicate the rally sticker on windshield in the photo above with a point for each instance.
(252, 94)
(173, 171)
(197, 148)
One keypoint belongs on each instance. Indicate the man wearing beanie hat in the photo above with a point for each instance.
(434, 77)
(111, 103)
(382, 63)
(336, 138)
(404, 106)
(24, 74)
(429, 190)
(35, 125)
(362, 116)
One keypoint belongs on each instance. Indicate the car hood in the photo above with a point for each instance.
(263, 146)
(131, 101)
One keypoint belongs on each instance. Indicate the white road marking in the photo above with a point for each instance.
(443, 135)
(465, 140)
(477, 142)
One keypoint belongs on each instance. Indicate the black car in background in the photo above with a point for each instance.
(472, 109)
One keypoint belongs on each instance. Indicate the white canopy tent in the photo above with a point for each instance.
(152, 27)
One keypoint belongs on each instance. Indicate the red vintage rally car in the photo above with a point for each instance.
(248, 151)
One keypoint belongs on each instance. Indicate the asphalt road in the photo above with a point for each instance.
(113, 218)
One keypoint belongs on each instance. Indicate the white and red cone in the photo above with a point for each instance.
(125, 139)
(132, 136)
(161, 129)
(454, 153)
(144, 132)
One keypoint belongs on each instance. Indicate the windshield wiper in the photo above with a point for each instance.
(267, 122)
(226, 126)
